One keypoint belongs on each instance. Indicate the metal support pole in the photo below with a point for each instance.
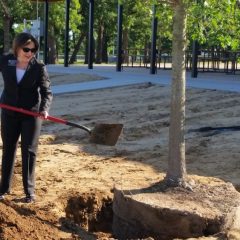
(66, 50)
(90, 34)
(195, 49)
(153, 44)
(194, 72)
(119, 38)
(46, 32)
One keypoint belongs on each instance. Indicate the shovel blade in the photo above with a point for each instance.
(106, 134)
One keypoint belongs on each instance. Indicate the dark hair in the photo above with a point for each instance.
(22, 40)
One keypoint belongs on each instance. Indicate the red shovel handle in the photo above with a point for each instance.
(34, 114)
(50, 118)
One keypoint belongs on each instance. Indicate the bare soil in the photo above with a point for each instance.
(75, 178)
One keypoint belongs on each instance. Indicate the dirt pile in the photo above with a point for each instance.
(23, 222)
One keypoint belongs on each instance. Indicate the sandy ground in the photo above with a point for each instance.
(75, 178)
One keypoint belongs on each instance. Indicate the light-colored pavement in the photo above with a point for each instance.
(129, 76)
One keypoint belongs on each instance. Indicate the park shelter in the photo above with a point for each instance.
(120, 53)
(90, 35)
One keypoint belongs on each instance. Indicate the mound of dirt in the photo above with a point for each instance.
(20, 222)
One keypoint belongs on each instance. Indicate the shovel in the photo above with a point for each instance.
(102, 133)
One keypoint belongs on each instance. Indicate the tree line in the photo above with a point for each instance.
(214, 23)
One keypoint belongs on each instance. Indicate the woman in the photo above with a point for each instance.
(27, 86)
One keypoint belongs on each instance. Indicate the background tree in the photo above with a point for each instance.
(214, 23)
(165, 20)
(12, 12)
(57, 29)
(105, 25)
(136, 31)
(7, 19)
(82, 30)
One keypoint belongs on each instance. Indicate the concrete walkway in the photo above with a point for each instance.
(129, 76)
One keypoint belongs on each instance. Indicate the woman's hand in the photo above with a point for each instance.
(44, 114)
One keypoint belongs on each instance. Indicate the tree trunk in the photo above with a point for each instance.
(125, 45)
(76, 48)
(6, 26)
(176, 171)
(99, 43)
(52, 48)
(1, 41)
(86, 52)
(105, 47)
(146, 58)
(7, 36)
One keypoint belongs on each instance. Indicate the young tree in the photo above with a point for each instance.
(176, 172)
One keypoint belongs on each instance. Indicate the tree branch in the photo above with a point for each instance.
(5, 9)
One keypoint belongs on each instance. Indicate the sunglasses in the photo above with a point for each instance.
(26, 50)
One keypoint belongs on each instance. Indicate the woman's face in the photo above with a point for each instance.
(25, 54)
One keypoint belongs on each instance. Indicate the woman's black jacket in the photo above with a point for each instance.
(33, 92)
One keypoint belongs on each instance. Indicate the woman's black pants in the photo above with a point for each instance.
(12, 127)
